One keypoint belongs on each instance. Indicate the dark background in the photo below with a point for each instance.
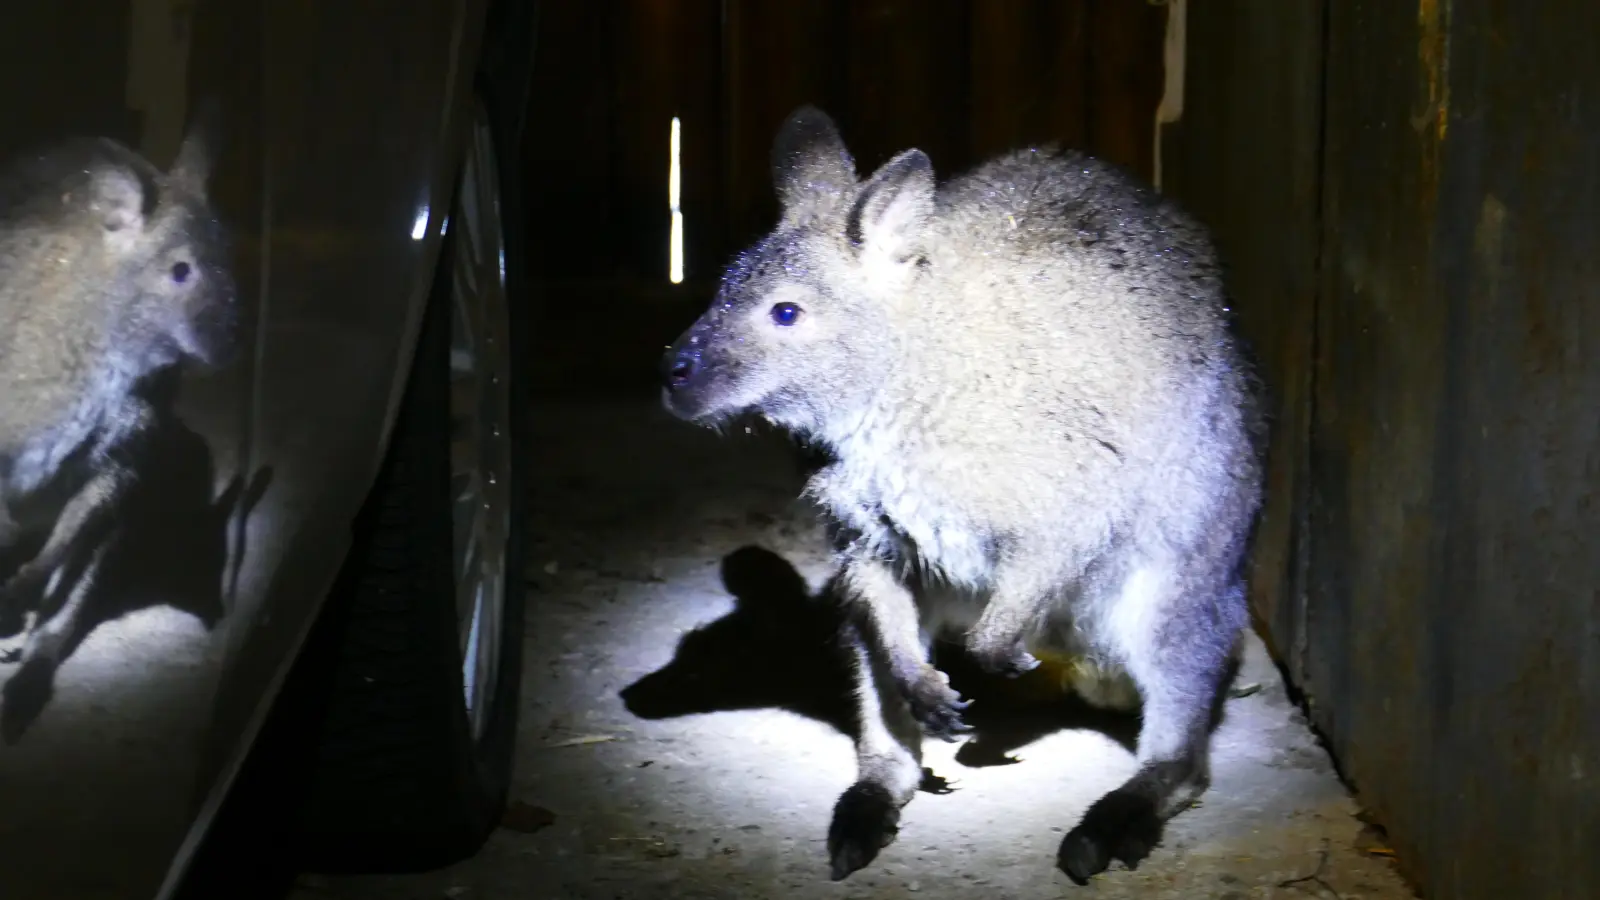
(960, 79)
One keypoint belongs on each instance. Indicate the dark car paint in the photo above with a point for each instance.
(341, 135)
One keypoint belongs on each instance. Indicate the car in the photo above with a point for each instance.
(264, 310)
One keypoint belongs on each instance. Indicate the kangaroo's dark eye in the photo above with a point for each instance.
(785, 313)
(180, 272)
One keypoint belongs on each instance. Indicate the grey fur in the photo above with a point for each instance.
(110, 270)
(1043, 434)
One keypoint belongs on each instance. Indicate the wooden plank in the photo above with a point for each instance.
(908, 63)
(1125, 81)
(568, 148)
(1029, 74)
(894, 73)
(62, 91)
(667, 61)
(777, 56)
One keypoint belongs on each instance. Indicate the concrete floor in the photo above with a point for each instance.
(714, 775)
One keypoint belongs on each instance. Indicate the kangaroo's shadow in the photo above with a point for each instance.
(166, 544)
(780, 649)
(777, 649)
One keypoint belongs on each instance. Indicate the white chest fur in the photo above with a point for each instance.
(896, 517)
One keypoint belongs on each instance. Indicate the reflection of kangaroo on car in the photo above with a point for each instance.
(167, 542)
(110, 271)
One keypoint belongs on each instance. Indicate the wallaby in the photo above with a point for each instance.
(110, 270)
(1041, 431)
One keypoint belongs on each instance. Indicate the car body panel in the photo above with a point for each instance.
(339, 137)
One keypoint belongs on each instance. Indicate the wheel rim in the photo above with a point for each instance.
(480, 422)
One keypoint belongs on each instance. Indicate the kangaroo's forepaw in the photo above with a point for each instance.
(1010, 660)
(936, 706)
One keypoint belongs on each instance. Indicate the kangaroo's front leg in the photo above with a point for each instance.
(889, 610)
(888, 761)
(1020, 601)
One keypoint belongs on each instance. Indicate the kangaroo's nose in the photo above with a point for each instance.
(680, 367)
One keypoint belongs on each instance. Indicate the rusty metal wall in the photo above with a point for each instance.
(1430, 565)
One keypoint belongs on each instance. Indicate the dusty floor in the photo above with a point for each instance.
(715, 775)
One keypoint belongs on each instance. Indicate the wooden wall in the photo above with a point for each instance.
(1408, 196)
(959, 78)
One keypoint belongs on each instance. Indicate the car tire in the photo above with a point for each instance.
(399, 781)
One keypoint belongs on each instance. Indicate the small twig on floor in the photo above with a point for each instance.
(584, 740)
(1316, 875)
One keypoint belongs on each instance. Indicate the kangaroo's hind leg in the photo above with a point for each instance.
(1177, 639)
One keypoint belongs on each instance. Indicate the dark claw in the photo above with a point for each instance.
(1121, 825)
(937, 707)
(865, 820)
(933, 784)
(1021, 664)
(942, 721)
(1014, 664)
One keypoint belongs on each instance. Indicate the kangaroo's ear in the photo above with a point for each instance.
(809, 159)
(889, 213)
(192, 168)
(118, 198)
